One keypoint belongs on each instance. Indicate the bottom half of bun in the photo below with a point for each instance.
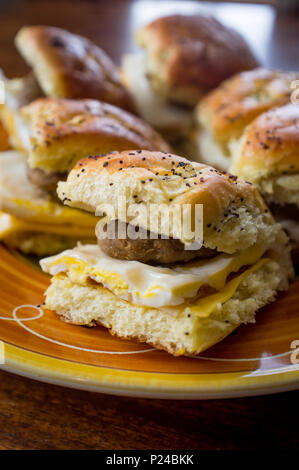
(182, 334)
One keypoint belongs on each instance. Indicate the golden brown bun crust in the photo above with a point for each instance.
(234, 214)
(195, 52)
(62, 131)
(70, 66)
(234, 104)
(270, 145)
(196, 183)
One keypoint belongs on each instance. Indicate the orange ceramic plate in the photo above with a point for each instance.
(257, 359)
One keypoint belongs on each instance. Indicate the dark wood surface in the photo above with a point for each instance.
(34, 415)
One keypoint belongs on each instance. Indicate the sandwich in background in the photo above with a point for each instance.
(64, 65)
(223, 114)
(155, 289)
(31, 221)
(267, 154)
(184, 57)
(67, 65)
(60, 132)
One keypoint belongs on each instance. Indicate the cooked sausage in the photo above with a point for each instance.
(45, 181)
(148, 250)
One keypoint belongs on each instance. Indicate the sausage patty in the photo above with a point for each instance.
(147, 250)
(47, 182)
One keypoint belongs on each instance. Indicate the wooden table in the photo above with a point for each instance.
(34, 415)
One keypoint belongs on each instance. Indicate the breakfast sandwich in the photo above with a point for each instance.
(67, 65)
(30, 220)
(64, 65)
(267, 154)
(223, 114)
(185, 56)
(61, 131)
(58, 133)
(178, 290)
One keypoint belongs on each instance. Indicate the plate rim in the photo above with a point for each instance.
(102, 379)
(147, 384)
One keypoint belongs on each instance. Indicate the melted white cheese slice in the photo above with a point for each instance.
(147, 285)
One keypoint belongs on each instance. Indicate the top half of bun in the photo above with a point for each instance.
(188, 55)
(226, 111)
(63, 131)
(234, 214)
(70, 66)
(268, 153)
(270, 144)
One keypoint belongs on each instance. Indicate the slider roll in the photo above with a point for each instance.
(59, 133)
(67, 65)
(223, 114)
(183, 57)
(267, 154)
(189, 55)
(64, 65)
(152, 289)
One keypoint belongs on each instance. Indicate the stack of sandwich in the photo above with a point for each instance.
(250, 127)
(185, 57)
(153, 288)
(82, 176)
(50, 134)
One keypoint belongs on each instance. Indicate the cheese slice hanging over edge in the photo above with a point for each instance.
(10, 225)
(206, 305)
